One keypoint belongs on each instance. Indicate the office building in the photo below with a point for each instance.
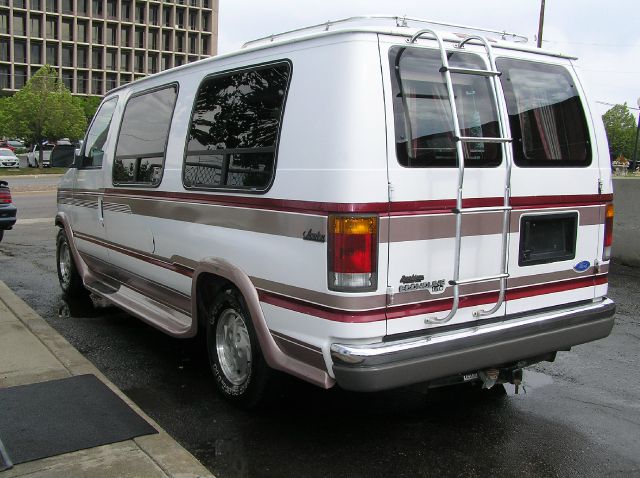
(97, 45)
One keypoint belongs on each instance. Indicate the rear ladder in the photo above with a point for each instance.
(459, 211)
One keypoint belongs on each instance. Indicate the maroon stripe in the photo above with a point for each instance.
(424, 307)
(394, 208)
(137, 255)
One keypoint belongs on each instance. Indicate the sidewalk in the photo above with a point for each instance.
(32, 351)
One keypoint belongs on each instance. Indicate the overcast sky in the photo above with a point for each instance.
(605, 35)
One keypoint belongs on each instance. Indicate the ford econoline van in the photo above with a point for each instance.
(369, 203)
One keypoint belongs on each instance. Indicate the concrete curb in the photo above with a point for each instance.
(161, 448)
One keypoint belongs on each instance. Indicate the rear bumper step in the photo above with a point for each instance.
(385, 365)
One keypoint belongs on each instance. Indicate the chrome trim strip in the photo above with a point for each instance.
(361, 353)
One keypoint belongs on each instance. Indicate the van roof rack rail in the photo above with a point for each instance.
(400, 21)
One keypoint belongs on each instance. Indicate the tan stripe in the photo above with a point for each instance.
(299, 350)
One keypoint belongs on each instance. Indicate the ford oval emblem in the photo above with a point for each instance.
(582, 266)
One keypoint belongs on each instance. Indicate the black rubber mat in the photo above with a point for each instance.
(51, 418)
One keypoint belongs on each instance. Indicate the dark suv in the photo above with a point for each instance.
(7, 209)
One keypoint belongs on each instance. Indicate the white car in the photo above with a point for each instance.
(33, 156)
(8, 159)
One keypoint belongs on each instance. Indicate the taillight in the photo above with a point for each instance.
(353, 253)
(608, 232)
(5, 196)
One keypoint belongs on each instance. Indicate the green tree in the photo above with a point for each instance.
(44, 109)
(89, 105)
(621, 130)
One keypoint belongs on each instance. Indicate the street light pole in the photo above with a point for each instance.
(541, 24)
(634, 162)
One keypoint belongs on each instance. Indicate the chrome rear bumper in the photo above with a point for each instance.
(385, 365)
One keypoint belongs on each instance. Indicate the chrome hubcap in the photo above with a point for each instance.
(64, 263)
(233, 347)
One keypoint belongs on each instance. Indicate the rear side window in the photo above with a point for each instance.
(143, 136)
(422, 112)
(97, 135)
(548, 123)
(234, 130)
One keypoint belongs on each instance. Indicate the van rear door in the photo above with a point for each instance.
(558, 208)
(423, 185)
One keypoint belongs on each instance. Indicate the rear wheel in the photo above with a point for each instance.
(236, 360)
(68, 276)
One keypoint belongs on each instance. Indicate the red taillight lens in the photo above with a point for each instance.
(353, 253)
(5, 196)
(608, 232)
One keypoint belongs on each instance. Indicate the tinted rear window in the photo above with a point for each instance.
(423, 120)
(548, 123)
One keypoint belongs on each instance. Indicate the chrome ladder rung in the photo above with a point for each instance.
(470, 71)
(475, 280)
(482, 139)
(468, 210)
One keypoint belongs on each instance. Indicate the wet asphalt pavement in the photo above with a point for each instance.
(580, 416)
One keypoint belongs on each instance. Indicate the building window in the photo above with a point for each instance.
(96, 8)
(96, 58)
(193, 43)
(112, 34)
(83, 82)
(152, 63)
(139, 37)
(97, 33)
(34, 5)
(36, 30)
(166, 62)
(52, 6)
(166, 40)
(19, 4)
(82, 57)
(139, 66)
(124, 61)
(125, 36)
(140, 14)
(36, 53)
(142, 140)
(112, 56)
(125, 11)
(67, 6)
(180, 18)
(67, 29)
(52, 54)
(52, 28)
(4, 22)
(112, 9)
(20, 51)
(166, 16)
(153, 15)
(67, 55)
(4, 49)
(180, 42)
(112, 81)
(205, 3)
(241, 157)
(179, 60)
(153, 40)
(19, 24)
(67, 79)
(5, 76)
(20, 76)
(82, 7)
(81, 31)
(205, 21)
(205, 46)
(193, 20)
(96, 83)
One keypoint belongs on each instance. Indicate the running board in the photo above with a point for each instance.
(154, 313)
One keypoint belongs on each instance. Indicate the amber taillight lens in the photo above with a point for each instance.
(353, 253)
(608, 232)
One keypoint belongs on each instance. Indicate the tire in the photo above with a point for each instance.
(240, 371)
(70, 281)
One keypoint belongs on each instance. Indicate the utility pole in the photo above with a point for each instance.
(541, 24)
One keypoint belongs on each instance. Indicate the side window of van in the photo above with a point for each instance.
(97, 135)
(235, 127)
(547, 120)
(422, 112)
(143, 136)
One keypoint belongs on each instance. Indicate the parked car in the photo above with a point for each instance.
(371, 207)
(8, 159)
(7, 145)
(7, 209)
(33, 156)
(16, 144)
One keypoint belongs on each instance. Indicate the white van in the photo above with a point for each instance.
(368, 206)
